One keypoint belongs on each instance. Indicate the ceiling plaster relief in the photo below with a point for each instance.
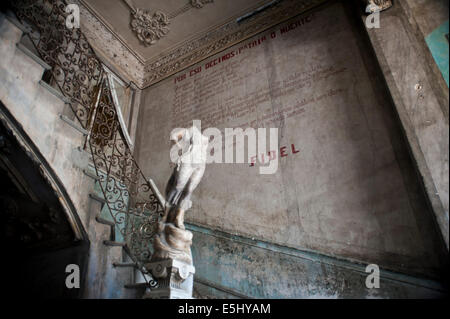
(150, 27)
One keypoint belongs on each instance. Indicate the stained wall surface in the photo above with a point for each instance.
(344, 186)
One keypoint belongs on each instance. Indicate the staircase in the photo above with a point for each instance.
(117, 205)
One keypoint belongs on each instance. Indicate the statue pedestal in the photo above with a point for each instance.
(175, 279)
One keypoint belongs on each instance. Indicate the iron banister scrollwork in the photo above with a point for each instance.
(127, 192)
(133, 204)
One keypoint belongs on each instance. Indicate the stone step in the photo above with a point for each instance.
(97, 198)
(11, 18)
(104, 221)
(91, 175)
(135, 286)
(33, 56)
(73, 124)
(55, 92)
(118, 264)
(113, 243)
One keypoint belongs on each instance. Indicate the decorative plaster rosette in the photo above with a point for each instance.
(148, 27)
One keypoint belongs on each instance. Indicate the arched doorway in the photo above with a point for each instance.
(40, 236)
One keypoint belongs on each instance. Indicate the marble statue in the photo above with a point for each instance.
(186, 175)
(173, 241)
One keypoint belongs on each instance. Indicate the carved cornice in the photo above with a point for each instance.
(222, 38)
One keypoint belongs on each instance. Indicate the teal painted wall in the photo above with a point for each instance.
(437, 42)
(230, 266)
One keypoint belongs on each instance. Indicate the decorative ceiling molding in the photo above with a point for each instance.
(149, 28)
(224, 37)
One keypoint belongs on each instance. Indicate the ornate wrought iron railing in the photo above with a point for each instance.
(132, 200)
(130, 197)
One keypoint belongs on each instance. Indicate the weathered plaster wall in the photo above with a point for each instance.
(351, 190)
(230, 266)
(419, 92)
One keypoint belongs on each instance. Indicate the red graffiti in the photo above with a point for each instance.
(272, 155)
